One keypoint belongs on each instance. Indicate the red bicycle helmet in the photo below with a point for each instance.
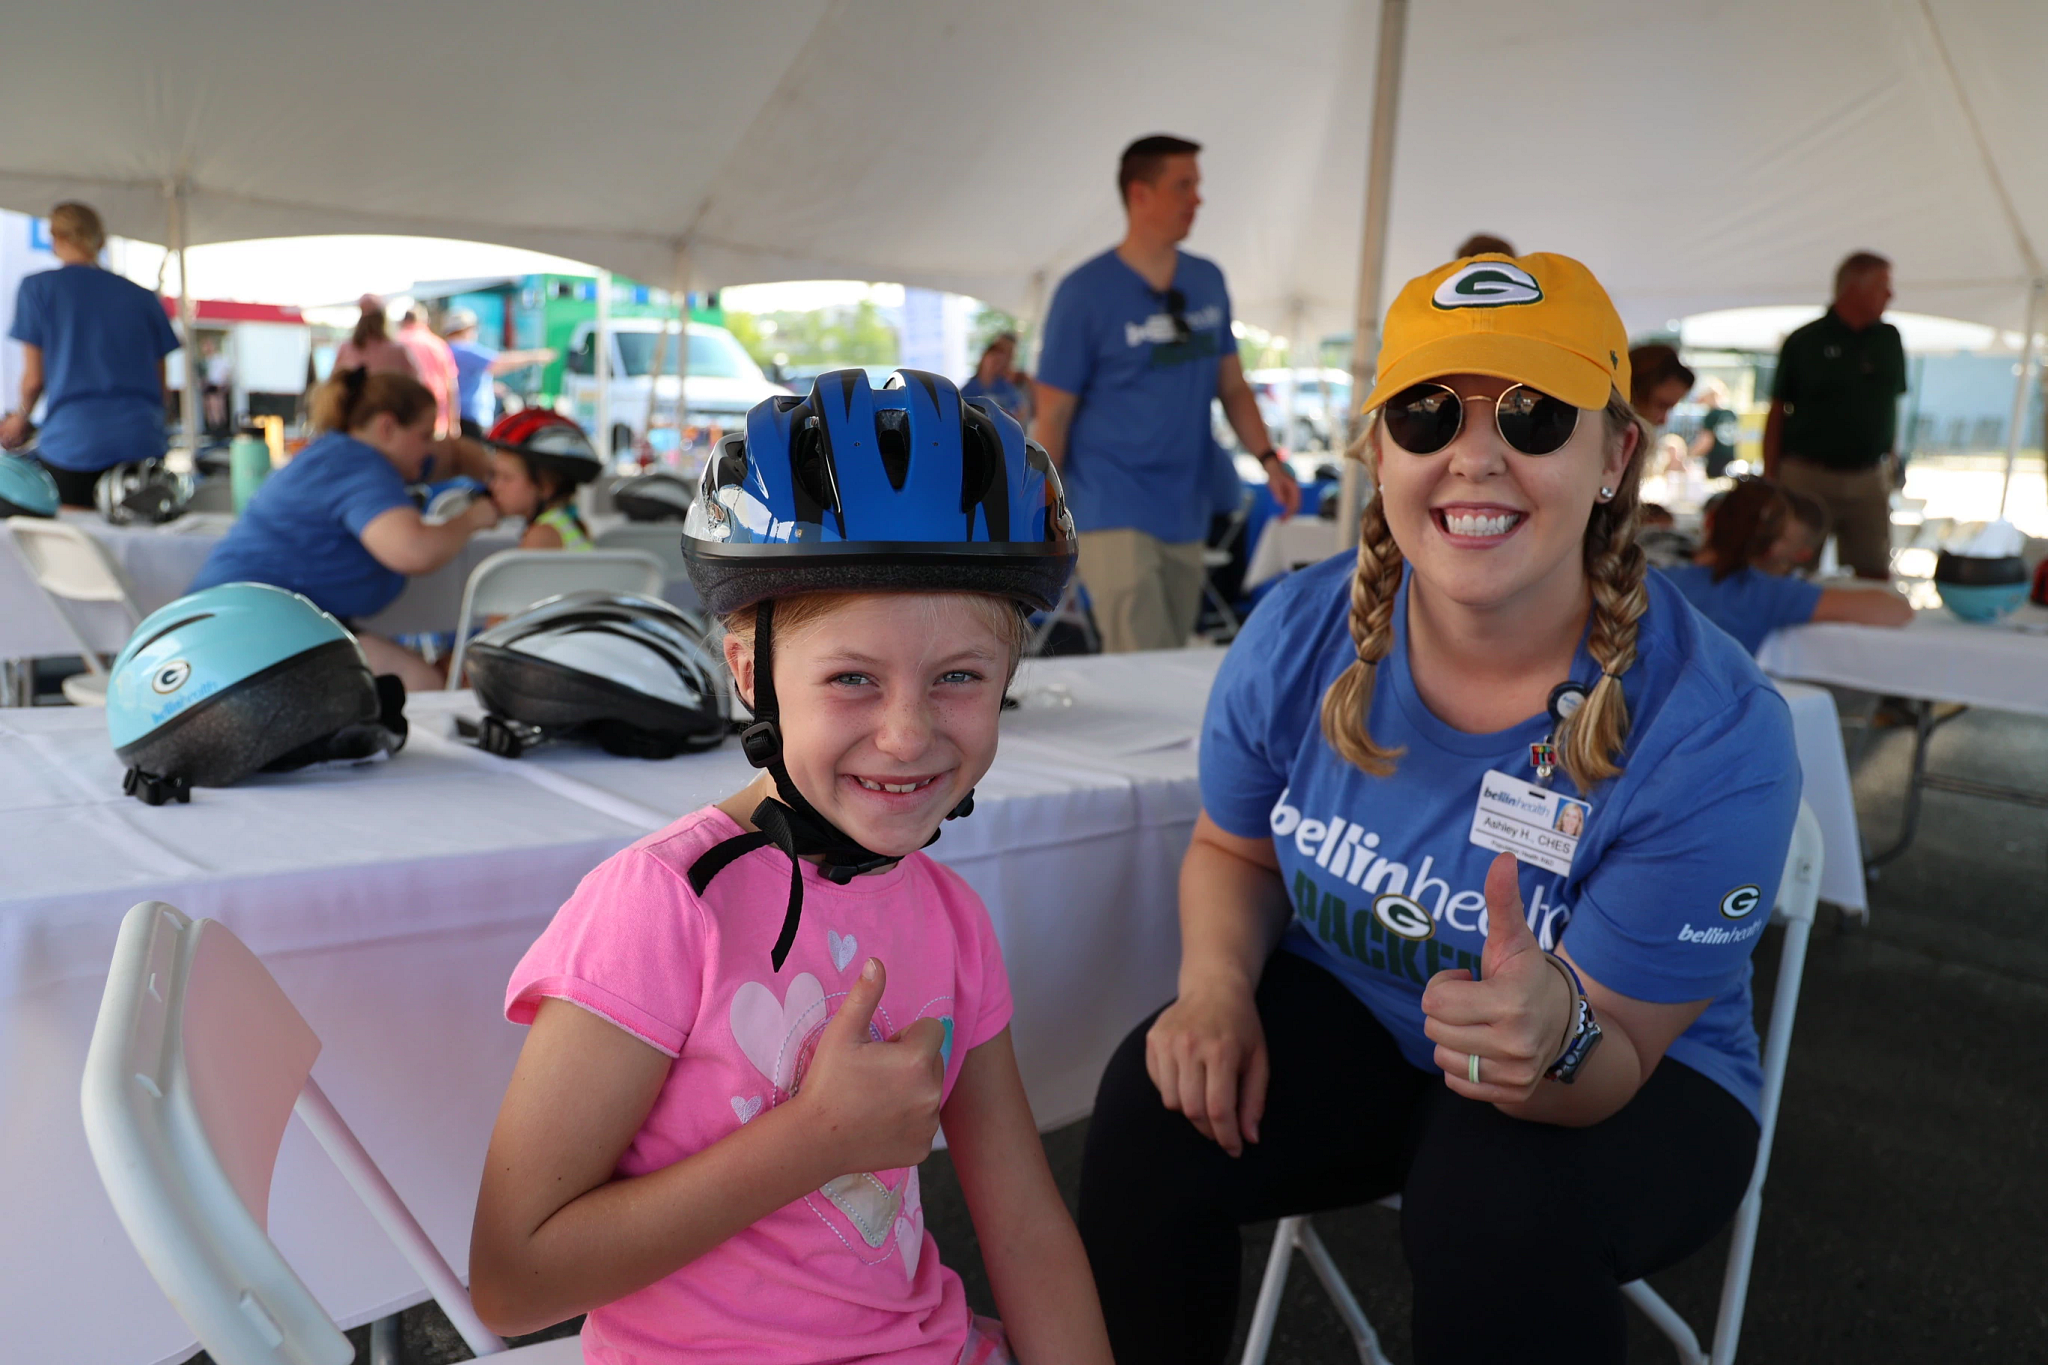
(547, 440)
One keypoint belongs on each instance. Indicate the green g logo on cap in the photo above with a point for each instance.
(1487, 284)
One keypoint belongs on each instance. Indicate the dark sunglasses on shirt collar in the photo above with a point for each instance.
(1424, 418)
(1177, 309)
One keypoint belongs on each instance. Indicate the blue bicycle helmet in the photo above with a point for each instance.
(26, 488)
(239, 678)
(853, 489)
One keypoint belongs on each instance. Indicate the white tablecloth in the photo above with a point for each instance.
(1285, 546)
(160, 562)
(392, 902)
(1939, 657)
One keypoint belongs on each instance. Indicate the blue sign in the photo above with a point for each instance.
(39, 234)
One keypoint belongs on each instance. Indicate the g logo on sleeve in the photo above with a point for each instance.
(1741, 902)
(1487, 284)
(1403, 916)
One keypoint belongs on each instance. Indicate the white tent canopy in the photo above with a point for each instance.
(1697, 156)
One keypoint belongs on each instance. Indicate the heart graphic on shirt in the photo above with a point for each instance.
(771, 1032)
(910, 1241)
(869, 1204)
(842, 949)
(746, 1106)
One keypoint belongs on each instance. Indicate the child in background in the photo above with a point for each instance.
(1797, 548)
(540, 459)
(747, 1028)
(1735, 582)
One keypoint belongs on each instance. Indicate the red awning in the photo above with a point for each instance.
(228, 310)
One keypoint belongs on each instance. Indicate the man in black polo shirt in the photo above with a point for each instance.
(1834, 413)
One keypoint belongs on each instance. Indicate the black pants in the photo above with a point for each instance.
(1518, 1235)
(74, 486)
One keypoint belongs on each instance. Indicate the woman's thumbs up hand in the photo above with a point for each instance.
(1513, 1018)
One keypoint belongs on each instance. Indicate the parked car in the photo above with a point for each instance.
(1318, 413)
(723, 383)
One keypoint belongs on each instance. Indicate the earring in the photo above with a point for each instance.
(1606, 494)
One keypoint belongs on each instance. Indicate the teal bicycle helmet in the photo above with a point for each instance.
(241, 678)
(26, 488)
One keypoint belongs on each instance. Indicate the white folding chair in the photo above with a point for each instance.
(513, 580)
(1798, 896)
(1218, 556)
(69, 566)
(1070, 610)
(662, 539)
(197, 1063)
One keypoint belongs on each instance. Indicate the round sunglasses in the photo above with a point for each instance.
(1424, 418)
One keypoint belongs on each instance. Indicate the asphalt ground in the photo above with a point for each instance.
(1906, 1214)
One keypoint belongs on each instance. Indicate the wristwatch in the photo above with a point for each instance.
(1585, 1033)
(1271, 454)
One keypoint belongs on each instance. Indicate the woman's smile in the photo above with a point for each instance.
(1477, 525)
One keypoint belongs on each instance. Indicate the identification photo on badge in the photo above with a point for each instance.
(1535, 824)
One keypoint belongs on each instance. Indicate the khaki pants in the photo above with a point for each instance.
(1859, 503)
(1145, 592)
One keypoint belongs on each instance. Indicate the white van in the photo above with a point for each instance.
(724, 382)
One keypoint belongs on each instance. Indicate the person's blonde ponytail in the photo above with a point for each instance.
(1347, 703)
(1591, 741)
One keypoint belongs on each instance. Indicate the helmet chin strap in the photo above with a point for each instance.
(791, 823)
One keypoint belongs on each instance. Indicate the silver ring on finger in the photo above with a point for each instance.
(1472, 1067)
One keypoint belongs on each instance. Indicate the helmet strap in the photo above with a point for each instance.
(791, 823)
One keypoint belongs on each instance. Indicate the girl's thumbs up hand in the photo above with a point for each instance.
(873, 1104)
(1513, 1018)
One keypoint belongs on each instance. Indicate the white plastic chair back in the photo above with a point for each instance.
(69, 566)
(1798, 901)
(513, 580)
(662, 539)
(197, 1063)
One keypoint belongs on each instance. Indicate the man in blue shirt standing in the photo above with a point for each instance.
(474, 397)
(93, 345)
(1137, 342)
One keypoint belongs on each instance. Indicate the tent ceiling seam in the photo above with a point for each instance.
(2012, 217)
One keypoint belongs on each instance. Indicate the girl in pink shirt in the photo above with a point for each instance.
(748, 1027)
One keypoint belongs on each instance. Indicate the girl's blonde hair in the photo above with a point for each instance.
(1590, 741)
(800, 610)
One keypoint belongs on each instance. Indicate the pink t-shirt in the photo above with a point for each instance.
(434, 363)
(848, 1272)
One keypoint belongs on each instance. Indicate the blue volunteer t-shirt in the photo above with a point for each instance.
(1002, 393)
(101, 337)
(1748, 604)
(473, 381)
(1138, 449)
(303, 530)
(1674, 876)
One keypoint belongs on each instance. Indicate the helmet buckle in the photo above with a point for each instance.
(761, 742)
(152, 790)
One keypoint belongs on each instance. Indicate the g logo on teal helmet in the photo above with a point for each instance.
(170, 677)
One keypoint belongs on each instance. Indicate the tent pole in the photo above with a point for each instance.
(1297, 333)
(601, 366)
(194, 380)
(682, 293)
(1372, 256)
(2019, 393)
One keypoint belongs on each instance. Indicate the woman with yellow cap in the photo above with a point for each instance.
(1491, 823)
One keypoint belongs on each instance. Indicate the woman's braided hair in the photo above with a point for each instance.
(1589, 741)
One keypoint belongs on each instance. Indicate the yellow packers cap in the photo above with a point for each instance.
(1540, 320)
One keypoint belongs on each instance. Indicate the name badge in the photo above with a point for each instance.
(1535, 824)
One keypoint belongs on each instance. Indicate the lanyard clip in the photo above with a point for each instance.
(1543, 754)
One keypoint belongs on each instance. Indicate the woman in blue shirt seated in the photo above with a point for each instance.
(1552, 1060)
(338, 524)
(1737, 580)
(92, 347)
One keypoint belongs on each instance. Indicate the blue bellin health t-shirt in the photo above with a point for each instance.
(1748, 603)
(303, 530)
(101, 337)
(1674, 876)
(1138, 451)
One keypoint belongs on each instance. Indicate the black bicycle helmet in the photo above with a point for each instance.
(656, 496)
(633, 673)
(853, 488)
